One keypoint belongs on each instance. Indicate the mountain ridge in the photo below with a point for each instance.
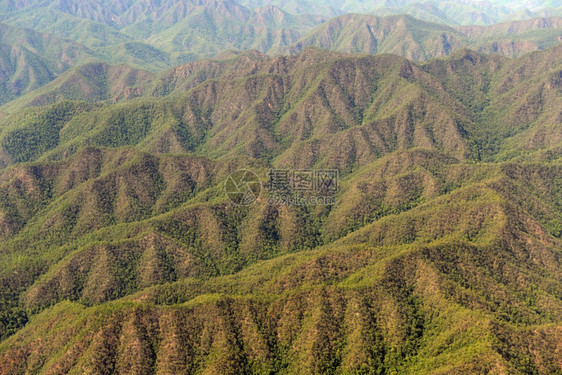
(269, 30)
(121, 252)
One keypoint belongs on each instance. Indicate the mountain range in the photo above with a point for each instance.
(464, 12)
(178, 33)
(123, 126)
(419, 40)
(121, 253)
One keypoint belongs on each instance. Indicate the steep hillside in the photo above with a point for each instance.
(400, 35)
(120, 252)
(29, 59)
(340, 111)
(516, 37)
(406, 36)
(266, 112)
(414, 290)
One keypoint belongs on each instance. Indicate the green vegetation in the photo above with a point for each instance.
(440, 11)
(423, 40)
(119, 252)
(39, 40)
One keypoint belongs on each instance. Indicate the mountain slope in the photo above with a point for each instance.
(164, 34)
(29, 59)
(429, 299)
(171, 32)
(89, 82)
(120, 252)
(401, 35)
(515, 38)
(189, 28)
(420, 40)
(261, 106)
(452, 13)
(265, 114)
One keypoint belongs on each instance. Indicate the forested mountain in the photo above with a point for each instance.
(515, 38)
(29, 59)
(409, 37)
(176, 33)
(203, 101)
(465, 12)
(121, 253)
(167, 33)
(122, 121)
(184, 29)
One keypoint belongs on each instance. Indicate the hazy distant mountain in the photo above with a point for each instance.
(465, 12)
(170, 32)
(29, 59)
(128, 33)
(516, 37)
(528, 14)
(406, 36)
(166, 33)
(400, 35)
(157, 36)
(200, 27)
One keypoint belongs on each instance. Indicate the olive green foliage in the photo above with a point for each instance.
(39, 40)
(120, 252)
(442, 11)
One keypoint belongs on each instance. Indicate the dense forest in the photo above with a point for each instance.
(415, 225)
(121, 253)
